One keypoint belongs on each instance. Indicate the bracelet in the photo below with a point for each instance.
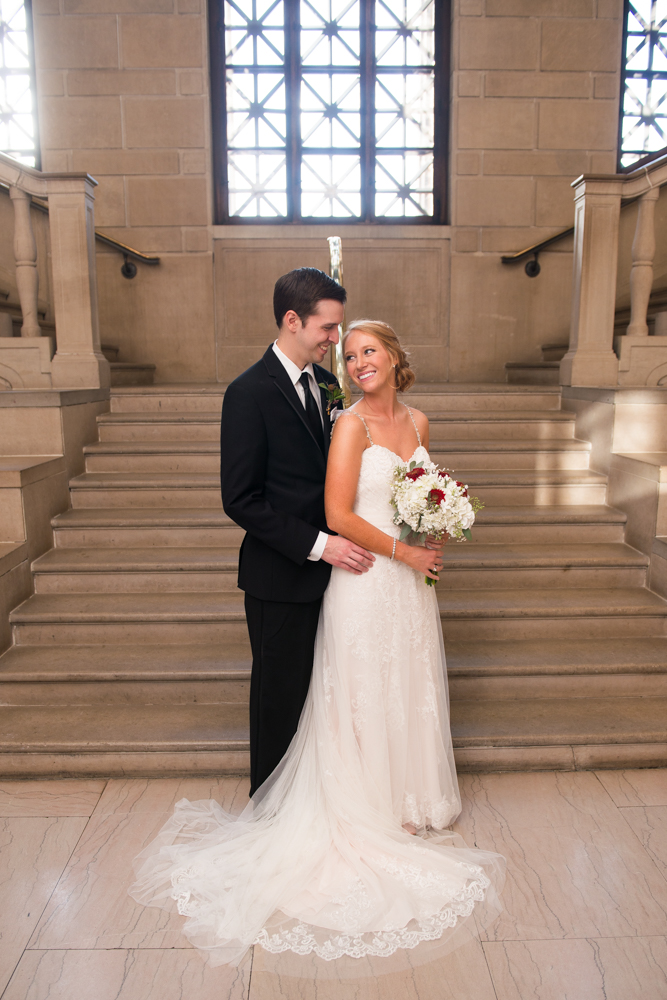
(393, 550)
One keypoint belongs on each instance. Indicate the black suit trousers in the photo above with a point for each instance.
(282, 637)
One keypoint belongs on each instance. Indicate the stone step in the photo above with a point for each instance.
(142, 527)
(466, 565)
(198, 489)
(176, 397)
(147, 674)
(562, 668)
(465, 425)
(204, 456)
(206, 617)
(201, 739)
(533, 373)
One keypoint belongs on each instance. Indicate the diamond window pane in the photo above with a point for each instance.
(17, 123)
(329, 34)
(256, 110)
(404, 110)
(330, 186)
(257, 185)
(404, 185)
(330, 110)
(405, 32)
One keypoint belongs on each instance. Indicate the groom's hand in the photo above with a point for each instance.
(346, 555)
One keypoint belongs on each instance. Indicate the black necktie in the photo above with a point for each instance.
(312, 413)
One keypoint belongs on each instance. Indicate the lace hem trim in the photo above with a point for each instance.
(301, 939)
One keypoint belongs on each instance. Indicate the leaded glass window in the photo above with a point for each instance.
(644, 107)
(18, 133)
(328, 109)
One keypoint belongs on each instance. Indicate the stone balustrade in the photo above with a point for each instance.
(590, 360)
(78, 362)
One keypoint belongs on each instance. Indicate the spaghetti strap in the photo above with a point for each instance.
(419, 439)
(368, 433)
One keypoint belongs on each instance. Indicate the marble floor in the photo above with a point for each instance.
(585, 913)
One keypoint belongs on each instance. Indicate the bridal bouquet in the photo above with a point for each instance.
(428, 501)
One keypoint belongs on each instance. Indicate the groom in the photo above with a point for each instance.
(273, 446)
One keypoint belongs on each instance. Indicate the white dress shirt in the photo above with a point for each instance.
(295, 374)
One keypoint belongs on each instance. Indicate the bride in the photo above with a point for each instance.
(344, 850)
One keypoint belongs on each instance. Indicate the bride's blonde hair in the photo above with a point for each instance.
(405, 377)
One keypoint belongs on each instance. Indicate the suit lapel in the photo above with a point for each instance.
(322, 375)
(284, 383)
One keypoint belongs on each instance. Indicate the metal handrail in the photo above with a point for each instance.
(512, 258)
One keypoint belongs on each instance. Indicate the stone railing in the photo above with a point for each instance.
(590, 360)
(29, 361)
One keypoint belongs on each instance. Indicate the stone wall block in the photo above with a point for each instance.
(496, 124)
(166, 122)
(468, 163)
(498, 44)
(494, 201)
(110, 201)
(125, 161)
(51, 83)
(191, 82)
(578, 125)
(80, 122)
(554, 201)
(117, 81)
(607, 86)
(540, 8)
(469, 84)
(194, 161)
(73, 42)
(148, 239)
(118, 6)
(570, 164)
(167, 201)
(522, 84)
(579, 45)
(161, 41)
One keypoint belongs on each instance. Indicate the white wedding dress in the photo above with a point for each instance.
(318, 862)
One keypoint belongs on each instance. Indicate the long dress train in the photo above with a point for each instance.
(318, 862)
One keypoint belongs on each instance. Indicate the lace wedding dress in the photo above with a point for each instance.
(318, 862)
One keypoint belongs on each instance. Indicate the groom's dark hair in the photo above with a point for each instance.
(301, 290)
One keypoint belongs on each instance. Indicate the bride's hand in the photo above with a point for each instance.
(426, 561)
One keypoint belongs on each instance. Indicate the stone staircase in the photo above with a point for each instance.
(131, 657)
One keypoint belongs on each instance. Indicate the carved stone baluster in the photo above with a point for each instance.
(643, 252)
(25, 255)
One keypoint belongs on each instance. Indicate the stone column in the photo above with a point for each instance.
(78, 361)
(590, 359)
(25, 256)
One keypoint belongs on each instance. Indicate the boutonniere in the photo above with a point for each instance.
(334, 395)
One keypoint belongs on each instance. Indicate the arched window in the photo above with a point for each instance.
(329, 109)
(643, 127)
(18, 108)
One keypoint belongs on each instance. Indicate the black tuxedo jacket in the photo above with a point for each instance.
(272, 474)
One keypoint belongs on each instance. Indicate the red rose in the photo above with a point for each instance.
(436, 496)
(443, 474)
(415, 474)
(462, 485)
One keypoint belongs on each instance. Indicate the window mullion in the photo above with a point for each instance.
(367, 70)
(293, 87)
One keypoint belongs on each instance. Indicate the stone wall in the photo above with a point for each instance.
(123, 94)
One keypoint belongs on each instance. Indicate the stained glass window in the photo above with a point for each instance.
(644, 105)
(327, 109)
(18, 134)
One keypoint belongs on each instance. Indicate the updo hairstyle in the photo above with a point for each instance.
(405, 377)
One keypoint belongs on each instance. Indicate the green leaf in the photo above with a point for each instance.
(405, 531)
(468, 533)
(412, 465)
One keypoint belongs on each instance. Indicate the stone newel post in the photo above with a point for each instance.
(590, 359)
(78, 360)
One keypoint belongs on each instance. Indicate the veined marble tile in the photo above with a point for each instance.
(161, 794)
(591, 969)
(574, 868)
(174, 974)
(462, 973)
(639, 787)
(51, 797)
(91, 907)
(650, 825)
(33, 854)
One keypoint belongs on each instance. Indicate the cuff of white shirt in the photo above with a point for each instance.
(318, 547)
